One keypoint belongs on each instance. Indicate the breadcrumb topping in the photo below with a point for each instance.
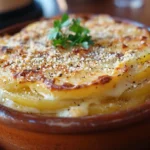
(29, 56)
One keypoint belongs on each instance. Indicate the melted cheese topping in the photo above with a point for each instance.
(37, 77)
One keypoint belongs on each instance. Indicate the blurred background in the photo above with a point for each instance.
(14, 11)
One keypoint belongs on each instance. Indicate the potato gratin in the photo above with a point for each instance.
(111, 75)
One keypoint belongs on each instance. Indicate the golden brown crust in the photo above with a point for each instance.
(32, 58)
(67, 86)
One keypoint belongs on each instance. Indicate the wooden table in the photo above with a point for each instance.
(55, 7)
(141, 14)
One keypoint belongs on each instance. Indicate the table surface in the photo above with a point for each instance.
(55, 7)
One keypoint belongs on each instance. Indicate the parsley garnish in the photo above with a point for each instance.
(77, 35)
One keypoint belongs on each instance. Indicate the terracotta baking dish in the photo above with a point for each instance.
(126, 130)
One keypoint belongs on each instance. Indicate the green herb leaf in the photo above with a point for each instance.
(53, 33)
(85, 45)
(77, 35)
(65, 21)
(65, 17)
